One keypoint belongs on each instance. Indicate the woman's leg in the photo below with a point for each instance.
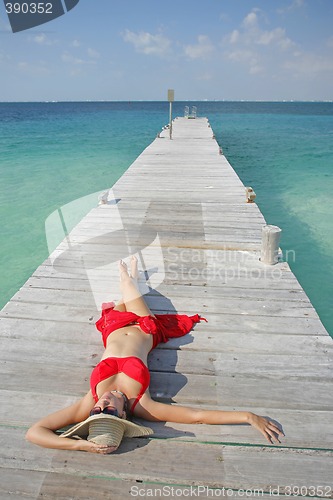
(134, 275)
(131, 296)
(121, 306)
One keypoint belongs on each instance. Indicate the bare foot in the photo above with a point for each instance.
(134, 267)
(123, 269)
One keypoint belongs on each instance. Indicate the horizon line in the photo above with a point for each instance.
(50, 101)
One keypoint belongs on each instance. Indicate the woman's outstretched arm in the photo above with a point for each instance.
(155, 411)
(42, 432)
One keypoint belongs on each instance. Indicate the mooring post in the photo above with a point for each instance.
(270, 244)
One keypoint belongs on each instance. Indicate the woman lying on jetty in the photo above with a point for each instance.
(120, 382)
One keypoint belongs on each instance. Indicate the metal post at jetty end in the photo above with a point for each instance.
(171, 98)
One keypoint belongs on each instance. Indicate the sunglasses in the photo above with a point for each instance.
(107, 411)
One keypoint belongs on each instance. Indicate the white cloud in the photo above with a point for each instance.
(295, 4)
(251, 20)
(90, 56)
(241, 55)
(146, 43)
(271, 53)
(69, 58)
(308, 64)
(224, 17)
(277, 36)
(255, 48)
(42, 39)
(93, 53)
(201, 50)
(77, 61)
(234, 36)
(39, 68)
(4, 57)
(204, 77)
(329, 42)
(247, 57)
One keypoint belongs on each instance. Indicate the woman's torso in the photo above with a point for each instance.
(123, 343)
(128, 341)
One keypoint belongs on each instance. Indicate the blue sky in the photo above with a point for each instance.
(208, 49)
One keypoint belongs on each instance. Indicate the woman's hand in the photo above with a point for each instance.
(266, 427)
(84, 445)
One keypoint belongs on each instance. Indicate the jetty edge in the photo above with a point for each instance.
(182, 209)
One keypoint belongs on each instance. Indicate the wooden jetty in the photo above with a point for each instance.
(182, 209)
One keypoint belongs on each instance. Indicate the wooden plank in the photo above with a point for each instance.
(225, 364)
(16, 484)
(217, 323)
(265, 342)
(125, 208)
(185, 361)
(178, 291)
(60, 353)
(94, 488)
(183, 226)
(226, 342)
(51, 331)
(229, 279)
(149, 460)
(251, 391)
(65, 486)
(239, 278)
(232, 305)
(220, 258)
(307, 429)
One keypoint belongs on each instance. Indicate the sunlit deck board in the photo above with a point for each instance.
(182, 208)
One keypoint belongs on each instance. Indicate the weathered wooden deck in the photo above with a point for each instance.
(182, 208)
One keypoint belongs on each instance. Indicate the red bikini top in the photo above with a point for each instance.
(132, 367)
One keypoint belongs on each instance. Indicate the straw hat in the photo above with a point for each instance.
(106, 429)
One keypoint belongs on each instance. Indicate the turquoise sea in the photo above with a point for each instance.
(54, 153)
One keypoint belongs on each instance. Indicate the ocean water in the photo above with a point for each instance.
(54, 153)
